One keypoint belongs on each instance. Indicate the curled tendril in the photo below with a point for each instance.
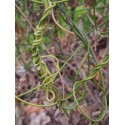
(60, 25)
(45, 74)
(84, 81)
(53, 94)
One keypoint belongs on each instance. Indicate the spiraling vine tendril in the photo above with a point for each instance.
(48, 77)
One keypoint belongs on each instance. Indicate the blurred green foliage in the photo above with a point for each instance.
(33, 12)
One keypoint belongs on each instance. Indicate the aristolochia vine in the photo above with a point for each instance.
(48, 78)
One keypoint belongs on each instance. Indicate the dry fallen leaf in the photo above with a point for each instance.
(87, 110)
(97, 76)
(30, 109)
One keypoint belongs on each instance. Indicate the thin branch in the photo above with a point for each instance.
(25, 17)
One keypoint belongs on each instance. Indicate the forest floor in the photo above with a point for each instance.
(27, 79)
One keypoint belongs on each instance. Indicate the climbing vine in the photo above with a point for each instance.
(53, 94)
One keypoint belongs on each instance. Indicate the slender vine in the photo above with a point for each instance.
(53, 95)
